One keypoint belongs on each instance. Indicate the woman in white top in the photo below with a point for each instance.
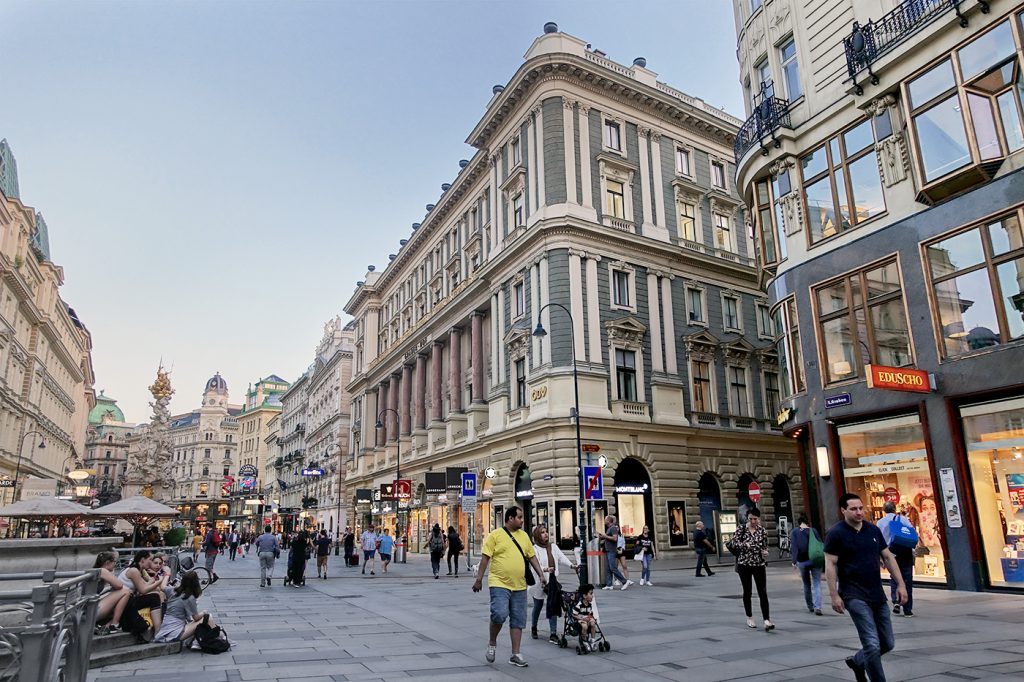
(115, 596)
(146, 593)
(549, 557)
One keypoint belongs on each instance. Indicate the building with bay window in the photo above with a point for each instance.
(880, 164)
(600, 204)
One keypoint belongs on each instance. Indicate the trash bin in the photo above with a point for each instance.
(399, 557)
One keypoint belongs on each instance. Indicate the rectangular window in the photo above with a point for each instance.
(614, 203)
(978, 286)
(206, 453)
(682, 161)
(842, 186)
(739, 403)
(521, 382)
(771, 395)
(625, 374)
(687, 222)
(519, 298)
(695, 304)
(862, 320)
(765, 328)
(620, 284)
(787, 347)
(516, 154)
(790, 70)
(765, 82)
(518, 211)
(770, 222)
(718, 174)
(730, 312)
(723, 232)
(702, 387)
(612, 136)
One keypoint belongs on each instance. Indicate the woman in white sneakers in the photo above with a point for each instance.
(547, 597)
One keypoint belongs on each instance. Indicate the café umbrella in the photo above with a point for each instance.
(138, 510)
(49, 509)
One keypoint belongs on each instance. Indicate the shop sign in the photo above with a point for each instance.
(902, 468)
(524, 494)
(754, 492)
(453, 477)
(434, 482)
(387, 492)
(6, 483)
(594, 483)
(364, 495)
(590, 447)
(891, 495)
(784, 415)
(247, 470)
(838, 400)
(403, 489)
(898, 379)
(631, 489)
(312, 472)
(950, 498)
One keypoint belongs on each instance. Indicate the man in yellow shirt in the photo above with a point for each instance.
(507, 581)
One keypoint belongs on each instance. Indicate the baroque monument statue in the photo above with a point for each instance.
(149, 470)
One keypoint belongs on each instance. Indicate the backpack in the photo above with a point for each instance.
(436, 543)
(902, 534)
(212, 640)
(815, 550)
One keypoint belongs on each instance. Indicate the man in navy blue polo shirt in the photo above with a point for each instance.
(853, 549)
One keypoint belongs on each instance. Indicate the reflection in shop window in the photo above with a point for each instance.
(886, 461)
(787, 346)
(994, 435)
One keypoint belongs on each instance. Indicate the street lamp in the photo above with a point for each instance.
(400, 530)
(540, 333)
(17, 470)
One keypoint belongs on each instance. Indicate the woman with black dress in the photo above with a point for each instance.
(298, 554)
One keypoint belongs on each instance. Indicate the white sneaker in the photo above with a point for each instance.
(641, 582)
(491, 651)
(607, 587)
(649, 583)
(628, 583)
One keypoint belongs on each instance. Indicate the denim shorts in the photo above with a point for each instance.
(368, 554)
(510, 606)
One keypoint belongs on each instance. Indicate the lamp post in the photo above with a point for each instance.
(583, 514)
(400, 530)
(21, 446)
(332, 450)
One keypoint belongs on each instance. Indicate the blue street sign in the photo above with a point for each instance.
(468, 484)
(593, 483)
(838, 400)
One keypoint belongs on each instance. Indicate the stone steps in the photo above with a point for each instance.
(122, 648)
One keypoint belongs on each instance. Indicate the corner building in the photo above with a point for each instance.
(881, 163)
(601, 190)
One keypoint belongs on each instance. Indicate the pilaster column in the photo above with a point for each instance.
(593, 312)
(421, 391)
(531, 166)
(576, 300)
(659, 189)
(545, 298)
(671, 363)
(435, 381)
(538, 117)
(382, 402)
(570, 151)
(455, 365)
(477, 354)
(588, 182)
(406, 403)
(654, 319)
(393, 394)
(645, 177)
(495, 336)
(497, 221)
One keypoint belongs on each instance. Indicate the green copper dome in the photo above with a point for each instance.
(105, 405)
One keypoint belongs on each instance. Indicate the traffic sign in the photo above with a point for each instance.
(594, 483)
(469, 492)
(754, 492)
(590, 447)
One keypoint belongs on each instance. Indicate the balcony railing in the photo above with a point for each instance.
(867, 42)
(770, 114)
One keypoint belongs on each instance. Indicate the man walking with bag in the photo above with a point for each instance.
(703, 545)
(509, 554)
(611, 549)
(902, 545)
(853, 548)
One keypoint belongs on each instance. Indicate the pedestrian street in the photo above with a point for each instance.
(408, 625)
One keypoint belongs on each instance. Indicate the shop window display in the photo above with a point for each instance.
(994, 434)
(886, 460)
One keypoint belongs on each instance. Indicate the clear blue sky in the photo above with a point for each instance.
(217, 176)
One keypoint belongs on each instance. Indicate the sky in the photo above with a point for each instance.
(216, 176)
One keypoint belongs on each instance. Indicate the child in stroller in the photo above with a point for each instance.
(581, 620)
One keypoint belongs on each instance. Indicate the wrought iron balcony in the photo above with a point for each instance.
(770, 114)
(867, 42)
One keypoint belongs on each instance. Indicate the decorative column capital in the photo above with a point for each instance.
(568, 103)
(578, 252)
(655, 136)
(537, 109)
(644, 131)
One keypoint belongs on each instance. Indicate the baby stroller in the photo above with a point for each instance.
(571, 627)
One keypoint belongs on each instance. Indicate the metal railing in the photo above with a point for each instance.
(867, 42)
(770, 114)
(46, 631)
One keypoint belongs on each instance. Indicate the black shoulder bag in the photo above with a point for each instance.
(530, 580)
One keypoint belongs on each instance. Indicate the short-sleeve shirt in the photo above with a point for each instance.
(611, 545)
(582, 610)
(323, 546)
(387, 543)
(507, 569)
(859, 554)
(369, 541)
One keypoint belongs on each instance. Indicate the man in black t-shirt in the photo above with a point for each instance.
(349, 543)
(702, 544)
(853, 548)
(323, 551)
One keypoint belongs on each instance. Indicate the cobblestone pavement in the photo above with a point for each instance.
(355, 627)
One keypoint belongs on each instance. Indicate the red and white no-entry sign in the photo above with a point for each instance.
(754, 492)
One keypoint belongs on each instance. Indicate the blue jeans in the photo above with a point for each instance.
(613, 570)
(538, 607)
(908, 579)
(645, 566)
(875, 631)
(812, 584)
(510, 606)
